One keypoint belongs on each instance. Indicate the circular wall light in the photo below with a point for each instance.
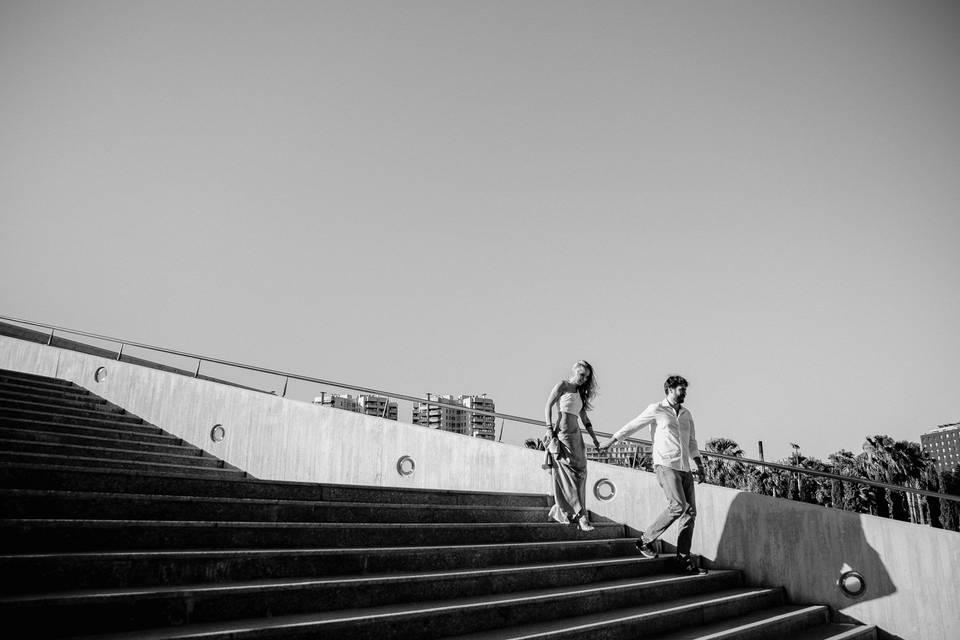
(604, 490)
(100, 374)
(406, 466)
(217, 433)
(852, 583)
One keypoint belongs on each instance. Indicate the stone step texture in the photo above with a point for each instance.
(110, 527)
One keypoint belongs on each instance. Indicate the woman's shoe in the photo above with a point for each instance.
(585, 524)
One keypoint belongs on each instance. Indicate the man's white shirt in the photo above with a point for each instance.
(674, 436)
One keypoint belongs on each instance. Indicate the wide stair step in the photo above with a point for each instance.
(31, 503)
(19, 377)
(31, 573)
(124, 608)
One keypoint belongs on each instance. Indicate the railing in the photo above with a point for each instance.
(287, 376)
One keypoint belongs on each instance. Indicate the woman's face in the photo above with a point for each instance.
(580, 374)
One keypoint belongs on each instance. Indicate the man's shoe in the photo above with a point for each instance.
(645, 548)
(687, 567)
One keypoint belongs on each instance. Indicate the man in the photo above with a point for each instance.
(674, 445)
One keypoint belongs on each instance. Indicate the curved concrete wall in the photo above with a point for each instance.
(910, 570)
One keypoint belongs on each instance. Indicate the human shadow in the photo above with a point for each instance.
(802, 547)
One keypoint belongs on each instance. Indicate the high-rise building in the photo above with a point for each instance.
(449, 415)
(943, 445)
(481, 425)
(370, 405)
(624, 454)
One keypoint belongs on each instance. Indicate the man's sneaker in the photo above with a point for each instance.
(688, 567)
(645, 548)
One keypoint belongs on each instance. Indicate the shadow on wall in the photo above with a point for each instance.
(803, 547)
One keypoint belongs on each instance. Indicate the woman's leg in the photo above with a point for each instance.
(578, 464)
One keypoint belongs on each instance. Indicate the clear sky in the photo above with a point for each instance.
(467, 197)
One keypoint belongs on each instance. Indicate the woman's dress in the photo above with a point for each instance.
(569, 463)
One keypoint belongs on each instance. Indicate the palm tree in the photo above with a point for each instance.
(724, 472)
(897, 462)
(881, 465)
(847, 495)
(817, 489)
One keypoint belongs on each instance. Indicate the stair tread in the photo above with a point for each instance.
(468, 606)
(729, 628)
(835, 631)
(399, 506)
(112, 522)
(282, 584)
(229, 553)
(11, 422)
(58, 456)
(280, 484)
(595, 622)
(85, 448)
(50, 438)
(113, 418)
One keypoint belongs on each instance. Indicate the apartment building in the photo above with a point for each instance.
(943, 445)
(481, 426)
(623, 454)
(367, 404)
(450, 415)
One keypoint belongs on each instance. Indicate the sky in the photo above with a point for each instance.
(467, 197)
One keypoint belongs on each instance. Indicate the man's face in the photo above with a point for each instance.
(677, 394)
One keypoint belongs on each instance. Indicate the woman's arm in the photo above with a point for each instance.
(589, 427)
(548, 410)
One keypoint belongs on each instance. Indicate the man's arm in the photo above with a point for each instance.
(645, 418)
(695, 452)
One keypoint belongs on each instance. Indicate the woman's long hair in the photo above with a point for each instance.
(587, 390)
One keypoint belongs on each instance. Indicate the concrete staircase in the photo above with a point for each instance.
(112, 528)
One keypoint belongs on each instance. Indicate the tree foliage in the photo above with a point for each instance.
(883, 459)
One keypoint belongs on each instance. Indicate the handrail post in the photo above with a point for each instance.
(285, 381)
(196, 374)
(50, 339)
(120, 352)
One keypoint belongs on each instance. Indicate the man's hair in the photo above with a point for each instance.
(674, 382)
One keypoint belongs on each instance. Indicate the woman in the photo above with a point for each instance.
(568, 457)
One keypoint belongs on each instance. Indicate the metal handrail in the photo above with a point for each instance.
(495, 414)
(832, 476)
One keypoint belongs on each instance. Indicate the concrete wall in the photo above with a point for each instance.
(912, 587)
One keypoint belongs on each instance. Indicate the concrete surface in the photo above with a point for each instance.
(912, 583)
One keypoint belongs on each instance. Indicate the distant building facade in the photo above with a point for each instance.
(943, 445)
(624, 454)
(449, 415)
(367, 404)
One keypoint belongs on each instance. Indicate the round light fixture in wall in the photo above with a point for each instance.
(604, 490)
(217, 433)
(100, 374)
(852, 583)
(406, 466)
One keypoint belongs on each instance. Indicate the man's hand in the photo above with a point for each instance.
(701, 476)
